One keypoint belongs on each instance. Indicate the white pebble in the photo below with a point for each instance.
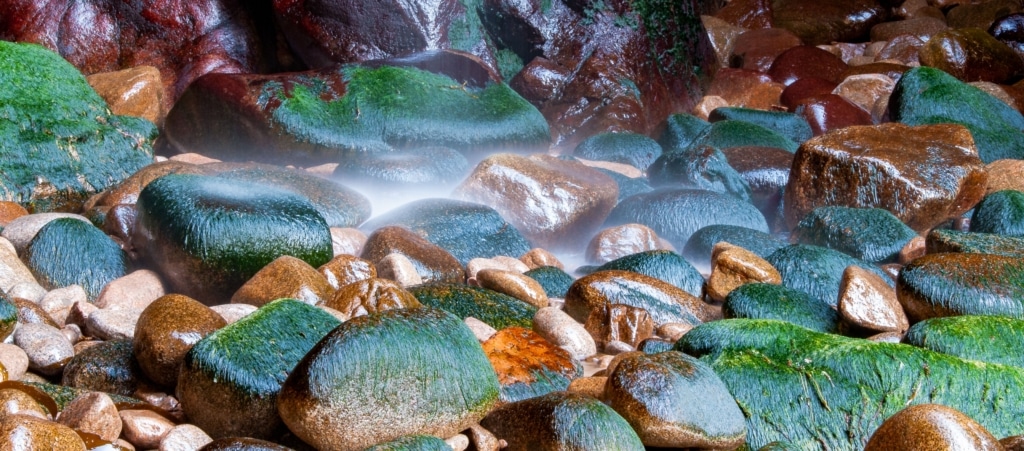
(46, 347)
(184, 437)
(561, 330)
(111, 324)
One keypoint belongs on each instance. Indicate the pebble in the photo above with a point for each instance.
(620, 241)
(17, 402)
(344, 269)
(14, 360)
(21, 230)
(113, 324)
(184, 437)
(19, 431)
(562, 330)
(58, 302)
(481, 330)
(347, 241)
(514, 284)
(47, 349)
(94, 413)
(399, 268)
(166, 330)
(733, 266)
(233, 312)
(540, 257)
(285, 277)
(133, 291)
(144, 428)
(868, 302)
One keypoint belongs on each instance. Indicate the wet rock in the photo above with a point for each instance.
(870, 234)
(400, 174)
(940, 240)
(991, 339)
(633, 149)
(244, 444)
(14, 360)
(560, 420)
(723, 37)
(344, 269)
(135, 290)
(619, 241)
(1001, 212)
(823, 23)
(927, 95)
(208, 235)
(923, 27)
(664, 302)
(555, 203)
(50, 107)
(971, 54)
(432, 263)
(144, 428)
(732, 266)
(466, 230)
(870, 169)
(413, 442)
(787, 124)
(285, 277)
(47, 349)
(699, 167)
(664, 265)
(184, 437)
(652, 391)
(371, 296)
(831, 112)
(496, 309)
(136, 91)
(10, 211)
(89, 258)
(328, 403)
(805, 61)
(777, 302)
(230, 387)
(23, 431)
(28, 312)
(868, 303)
(165, 332)
(112, 324)
(107, 367)
(94, 413)
(527, 365)
(514, 284)
(746, 88)
(560, 329)
(346, 240)
(982, 15)
(540, 257)
(555, 281)
(933, 426)
(757, 48)
(619, 323)
(816, 270)
(699, 247)
(864, 91)
(806, 89)
(736, 133)
(18, 402)
(766, 172)
(8, 317)
(326, 114)
(938, 285)
(1007, 29)
(675, 214)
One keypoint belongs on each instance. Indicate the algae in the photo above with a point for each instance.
(992, 339)
(67, 251)
(496, 309)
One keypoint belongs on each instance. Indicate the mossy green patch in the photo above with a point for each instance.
(870, 234)
(8, 317)
(962, 284)
(991, 339)
(554, 281)
(412, 443)
(1001, 212)
(818, 390)
(768, 301)
(817, 270)
(682, 131)
(732, 133)
(661, 264)
(945, 240)
(496, 309)
(63, 395)
(790, 125)
(58, 142)
(67, 251)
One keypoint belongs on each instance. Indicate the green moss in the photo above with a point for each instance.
(412, 443)
(944, 240)
(787, 124)
(732, 133)
(991, 339)
(8, 317)
(965, 284)
(63, 395)
(818, 390)
(554, 281)
(700, 167)
(682, 131)
(661, 264)
(676, 32)
(67, 251)
(1001, 212)
(816, 270)
(768, 301)
(494, 308)
(870, 234)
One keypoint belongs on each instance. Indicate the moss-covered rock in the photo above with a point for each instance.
(733, 133)
(561, 420)
(555, 281)
(992, 339)
(527, 365)
(926, 95)
(682, 131)
(1001, 212)
(107, 367)
(58, 142)
(790, 125)
(870, 234)
(768, 301)
(230, 380)
(385, 375)
(939, 285)
(946, 240)
(628, 186)
(67, 252)
(699, 167)
(208, 235)
(9, 316)
(633, 149)
(698, 248)
(661, 264)
(412, 443)
(817, 270)
(822, 390)
(496, 309)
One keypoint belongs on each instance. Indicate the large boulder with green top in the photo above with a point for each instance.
(386, 375)
(950, 284)
(208, 235)
(67, 251)
(790, 125)
(871, 234)
(230, 380)
(817, 390)
(497, 309)
(946, 240)
(992, 339)
(58, 142)
(320, 116)
(1001, 212)
(769, 301)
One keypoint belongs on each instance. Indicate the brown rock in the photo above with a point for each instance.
(31, 313)
(184, 437)
(903, 49)
(555, 203)
(538, 257)
(971, 54)
(94, 413)
(806, 61)
(932, 427)
(998, 91)
(134, 92)
(483, 440)
(133, 291)
(804, 89)
(432, 263)
(722, 35)
(10, 211)
(513, 284)
(165, 332)
(865, 90)
(399, 268)
(980, 14)
(371, 296)
(344, 269)
(914, 248)
(144, 428)
(285, 277)
(591, 386)
(873, 166)
(620, 241)
(619, 322)
(127, 192)
(346, 240)
(831, 112)
(1013, 443)
(24, 432)
(746, 88)
(756, 49)
(923, 28)
(867, 302)
(1005, 174)
(707, 105)
(732, 266)
(747, 13)
(17, 402)
(520, 356)
(665, 303)
(818, 22)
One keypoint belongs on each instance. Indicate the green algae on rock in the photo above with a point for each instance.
(945, 240)
(871, 234)
(527, 365)
(629, 148)
(555, 281)
(412, 443)
(734, 133)
(817, 270)
(107, 366)
(496, 309)
(208, 235)
(1001, 212)
(561, 420)
(67, 251)
(769, 301)
(9, 316)
(823, 390)
(385, 375)
(938, 285)
(230, 380)
(661, 264)
(700, 167)
(674, 400)
(790, 125)
(992, 339)
(58, 142)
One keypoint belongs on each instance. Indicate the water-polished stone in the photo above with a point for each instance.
(962, 284)
(664, 302)
(285, 277)
(619, 323)
(620, 241)
(831, 112)
(30, 433)
(934, 427)
(945, 240)
(746, 88)
(806, 61)
(871, 234)
(867, 302)
(166, 331)
(561, 420)
(826, 22)
(527, 365)
(136, 91)
(971, 54)
(756, 49)
(732, 266)
(514, 284)
(432, 263)
(373, 295)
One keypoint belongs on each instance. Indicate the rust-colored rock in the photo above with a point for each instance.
(746, 88)
(806, 61)
(933, 427)
(137, 91)
(19, 432)
(344, 269)
(372, 295)
(10, 211)
(1005, 174)
(732, 266)
(747, 13)
(664, 302)
(619, 322)
(971, 54)
(432, 263)
(756, 49)
(522, 357)
(166, 330)
(285, 277)
(868, 303)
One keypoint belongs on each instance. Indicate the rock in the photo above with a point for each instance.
(980, 15)
(870, 234)
(747, 13)
(527, 365)
(496, 309)
(698, 167)
(112, 324)
(481, 330)
(344, 269)
(806, 89)
(229, 387)
(243, 443)
(166, 331)
(675, 214)
(514, 284)
(28, 312)
(401, 174)
(870, 169)
(664, 302)
(328, 403)
(1001, 212)
(831, 112)
(868, 302)
(971, 54)
(555, 281)
(14, 360)
(135, 290)
(347, 241)
(674, 400)
(416, 442)
(633, 149)
(699, 248)
(47, 349)
(1007, 29)
(940, 240)
(328, 113)
(371, 296)
(815, 270)
(777, 302)
(1005, 174)
(184, 437)
(923, 27)
(561, 420)
(805, 61)
(51, 107)
(735, 133)
(89, 258)
(865, 90)
(144, 428)
(285, 277)
(991, 339)
(619, 241)
(560, 329)
(823, 23)
(723, 36)
(787, 124)
(619, 323)
(209, 259)
(732, 267)
(933, 426)
(540, 257)
(812, 372)
(466, 230)
(432, 262)
(136, 91)
(107, 366)
(94, 413)
(939, 285)
(399, 268)
(555, 203)
(755, 49)
(24, 431)
(10, 211)
(927, 95)
(21, 402)
(8, 317)
(233, 312)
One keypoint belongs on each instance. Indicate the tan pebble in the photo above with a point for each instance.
(673, 331)
(30, 290)
(933, 427)
(886, 337)
(124, 445)
(144, 429)
(285, 277)
(233, 312)
(112, 324)
(14, 360)
(479, 264)
(79, 314)
(21, 230)
(513, 284)
(347, 241)
(563, 331)
(184, 437)
(590, 386)
(17, 402)
(345, 269)
(619, 241)
(322, 170)
(371, 296)
(482, 439)
(481, 330)
(399, 268)
(458, 442)
(915, 248)
(57, 302)
(1005, 174)
(166, 331)
(708, 104)
(132, 291)
(85, 344)
(16, 431)
(72, 332)
(616, 347)
(732, 266)
(165, 403)
(137, 91)
(47, 349)
(596, 364)
(94, 413)
(539, 257)
(511, 263)
(865, 89)
(193, 158)
(867, 302)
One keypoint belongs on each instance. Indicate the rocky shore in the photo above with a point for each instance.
(482, 225)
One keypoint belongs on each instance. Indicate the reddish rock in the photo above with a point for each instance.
(756, 49)
(522, 357)
(921, 27)
(619, 322)
(832, 112)
(746, 88)
(904, 49)
(821, 22)
(372, 295)
(285, 277)
(806, 61)
(137, 91)
(166, 331)
(432, 263)
(971, 54)
(344, 269)
(747, 13)
(805, 88)
(932, 427)
(10, 211)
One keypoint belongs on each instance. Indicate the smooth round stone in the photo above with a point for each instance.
(561, 420)
(399, 268)
(88, 257)
(371, 296)
(747, 13)
(184, 437)
(868, 302)
(539, 257)
(127, 192)
(831, 112)
(414, 443)
(344, 269)
(940, 240)
(94, 413)
(923, 27)
(527, 365)
(816, 270)
(664, 265)
(112, 324)
(12, 270)
(675, 214)
(676, 401)
(481, 330)
(233, 312)
(770, 301)
(27, 432)
(991, 339)
(806, 61)
(788, 124)
(934, 427)
(47, 349)
(722, 35)
(557, 327)
(19, 232)
(938, 285)
(496, 309)
(870, 234)
(135, 290)
(620, 241)
(825, 22)
(971, 54)
(554, 280)
(144, 428)
(666, 303)
(733, 266)
(10, 211)
(1009, 30)
(804, 89)
(865, 90)
(757, 48)
(633, 149)
(166, 330)
(229, 382)
(243, 444)
(28, 312)
(432, 262)
(555, 203)
(14, 361)
(285, 277)
(438, 388)
(403, 172)
(698, 167)
(698, 249)
(1001, 212)
(108, 367)
(514, 284)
